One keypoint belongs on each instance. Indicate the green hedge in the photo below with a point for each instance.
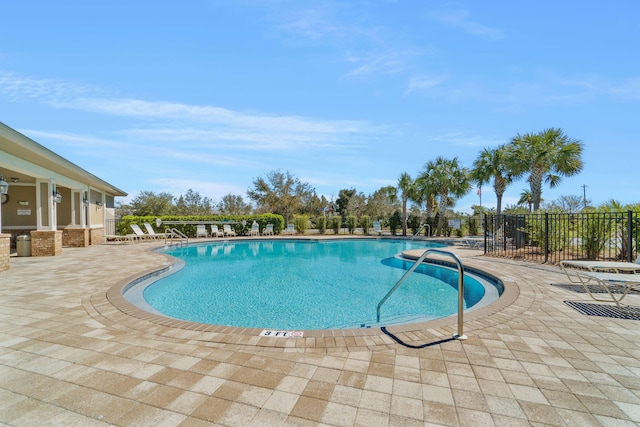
(124, 225)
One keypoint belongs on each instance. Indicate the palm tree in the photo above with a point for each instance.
(407, 188)
(526, 198)
(448, 180)
(493, 164)
(546, 156)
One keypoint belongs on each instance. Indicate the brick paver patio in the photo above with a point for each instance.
(69, 356)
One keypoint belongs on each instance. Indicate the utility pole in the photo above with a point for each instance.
(584, 195)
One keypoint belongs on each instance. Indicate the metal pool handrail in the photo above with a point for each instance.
(420, 229)
(460, 335)
(170, 233)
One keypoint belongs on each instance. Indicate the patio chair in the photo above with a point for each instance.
(152, 232)
(377, 228)
(117, 238)
(139, 233)
(571, 267)
(228, 231)
(606, 281)
(201, 231)
(289, 230)
(215, 232)
(255, 229)
(268, 230)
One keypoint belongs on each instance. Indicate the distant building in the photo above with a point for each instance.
(53, 201)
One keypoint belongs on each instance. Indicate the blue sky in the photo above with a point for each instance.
(208, 95)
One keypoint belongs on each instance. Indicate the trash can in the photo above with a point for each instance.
(23, 244)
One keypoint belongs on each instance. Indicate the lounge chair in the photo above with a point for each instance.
(201, 231)
(139, 233)
(228, 231)
(255, 229)
(571, 267)
(152, 232)
(268, 230)
(377, 228)
(215, 232)
(606, 280)
(289, 230)
(117, 238)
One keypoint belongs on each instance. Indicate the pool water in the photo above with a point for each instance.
(297, 285)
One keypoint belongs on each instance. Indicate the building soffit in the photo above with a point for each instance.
(20, 146)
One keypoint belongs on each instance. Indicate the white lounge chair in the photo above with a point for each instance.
(289, 230)
(606, 280)
(139, 233)
(152, 232)
(268, 230)
(571, 267)
(215, 232)
(201, 231)
(117, 238)
(255, 229)
(228, 231)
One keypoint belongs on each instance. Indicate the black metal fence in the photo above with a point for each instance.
(551, 238)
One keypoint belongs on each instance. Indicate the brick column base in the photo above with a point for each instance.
(5, 251)
(97, 236)
(46, 243)
(75, 237)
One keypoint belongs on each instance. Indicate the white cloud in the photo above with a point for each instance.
(460, 19)
(462, 139)
(424, 83)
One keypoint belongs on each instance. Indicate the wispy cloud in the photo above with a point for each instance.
(465, 139)
(171, 122)
(460, 19)
(424, 83)
(20, 87)
(366, 46)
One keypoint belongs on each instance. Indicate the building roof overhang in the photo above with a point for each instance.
(22, 147)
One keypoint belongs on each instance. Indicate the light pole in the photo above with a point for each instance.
(4, 189)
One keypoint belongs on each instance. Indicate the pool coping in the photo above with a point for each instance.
(113, 308)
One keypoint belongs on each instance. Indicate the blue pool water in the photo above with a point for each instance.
(295, 285)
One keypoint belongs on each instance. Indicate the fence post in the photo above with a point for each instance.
(546, 237)
(630, 236)
(486, 231)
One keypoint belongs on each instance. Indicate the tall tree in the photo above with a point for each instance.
(148, 203)
(280, 193)
(449, 180)
(193, 203)
(234, 205)
(526, 199)
(407, 188)
(342, 202)
(546, 156)
(379, 203)
(492, 163)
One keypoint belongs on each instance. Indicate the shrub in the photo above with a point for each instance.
(301, 223)
(321, 224)
(395, 222)
(352, 223)
(335, 222)
(365, 223)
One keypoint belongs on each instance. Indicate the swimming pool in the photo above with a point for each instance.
(304, 284)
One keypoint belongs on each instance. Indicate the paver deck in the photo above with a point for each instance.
(70, 354)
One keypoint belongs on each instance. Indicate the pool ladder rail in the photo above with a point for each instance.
(171, 233)
(460, 334)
